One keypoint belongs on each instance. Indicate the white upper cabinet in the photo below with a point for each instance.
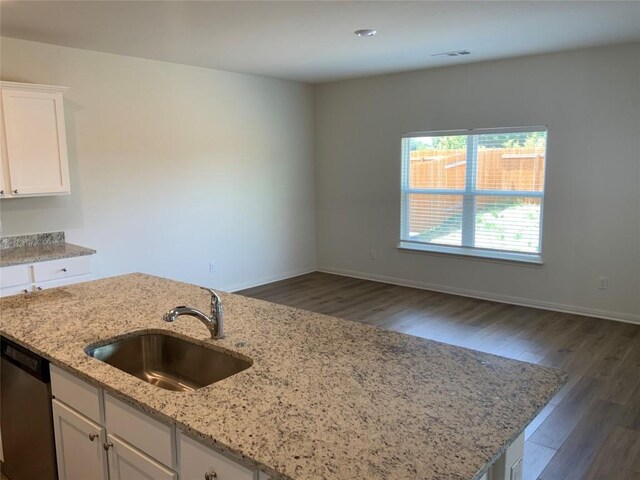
(34, 142)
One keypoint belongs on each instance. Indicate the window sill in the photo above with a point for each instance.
(473, 254)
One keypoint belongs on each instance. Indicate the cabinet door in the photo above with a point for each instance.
(36, 145)
(79, 445)
(5, 188)
(197, 460)
(129, 463)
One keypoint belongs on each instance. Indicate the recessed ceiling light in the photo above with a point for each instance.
(454, 53)
(365, 32)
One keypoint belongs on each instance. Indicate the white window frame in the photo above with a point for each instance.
(469, 194)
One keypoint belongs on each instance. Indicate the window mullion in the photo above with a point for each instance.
(469, 199)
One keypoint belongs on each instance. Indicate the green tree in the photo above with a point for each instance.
(453, 142)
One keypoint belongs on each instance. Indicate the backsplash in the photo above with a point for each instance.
(31, 240)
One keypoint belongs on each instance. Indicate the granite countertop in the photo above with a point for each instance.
(324, 399)
(38, 247)
(41, 253)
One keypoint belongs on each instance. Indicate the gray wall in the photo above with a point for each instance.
(175, 166)
(590, 100)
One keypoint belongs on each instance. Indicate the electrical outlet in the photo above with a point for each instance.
(372, 254)
(603, 283)
(210, 267)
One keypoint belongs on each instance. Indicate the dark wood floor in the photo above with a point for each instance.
(591, 428)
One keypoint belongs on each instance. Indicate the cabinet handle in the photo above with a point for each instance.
(15, 191)
(93, 436)
(26, 290)
(107, 445)
(64, 269)
(210, 475)
(1, 192)
(39, 288)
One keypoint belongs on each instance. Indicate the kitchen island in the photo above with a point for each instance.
(324, 398)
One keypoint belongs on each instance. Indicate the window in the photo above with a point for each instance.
(474, 192)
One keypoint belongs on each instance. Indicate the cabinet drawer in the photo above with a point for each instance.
(140, 430)
(63, 268)
(62, 282)
(77, 394)
(196, 460)
(15, 290)
(15, 275)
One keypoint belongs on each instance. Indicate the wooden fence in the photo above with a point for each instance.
(514, 169)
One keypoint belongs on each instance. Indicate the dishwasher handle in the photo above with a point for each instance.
(26, 360)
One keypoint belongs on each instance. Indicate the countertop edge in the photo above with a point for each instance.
(506, 445)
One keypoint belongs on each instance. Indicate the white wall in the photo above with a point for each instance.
(590, 100)
(174, 166)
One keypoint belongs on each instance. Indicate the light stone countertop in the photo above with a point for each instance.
(38, 247)
(325, 398)
(41, 253)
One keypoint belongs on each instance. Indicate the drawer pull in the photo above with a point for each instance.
(39, 288)
(64, 269)
(1, 192)
(107, 445)
(26, 290)
(210, 475)
(15, 191)
(93, 436)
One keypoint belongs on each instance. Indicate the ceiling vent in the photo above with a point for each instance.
(365, 32)
(455, 53)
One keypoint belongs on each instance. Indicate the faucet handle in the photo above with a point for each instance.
(214, 296)
(216, 312)
(216, 303)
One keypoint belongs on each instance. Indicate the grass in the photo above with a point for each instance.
(497, 226)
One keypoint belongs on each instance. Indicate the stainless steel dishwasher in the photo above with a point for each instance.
(25, 414)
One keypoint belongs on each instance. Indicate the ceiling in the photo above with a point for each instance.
(313, 41)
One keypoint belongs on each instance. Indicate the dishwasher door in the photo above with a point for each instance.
(25, 415)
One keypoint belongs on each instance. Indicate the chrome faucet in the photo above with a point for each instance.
(213, 322)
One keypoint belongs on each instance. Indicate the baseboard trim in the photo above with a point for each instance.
(270, 279)
(523, 302)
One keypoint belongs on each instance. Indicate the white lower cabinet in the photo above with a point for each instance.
(86, 452)
(197, 462)
(99, 437)
(15, 279)
(129, 463)
(15, 290)
(32, 277)
(79, 445)
(154, 438)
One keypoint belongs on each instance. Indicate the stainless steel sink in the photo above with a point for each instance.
(169, 362)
